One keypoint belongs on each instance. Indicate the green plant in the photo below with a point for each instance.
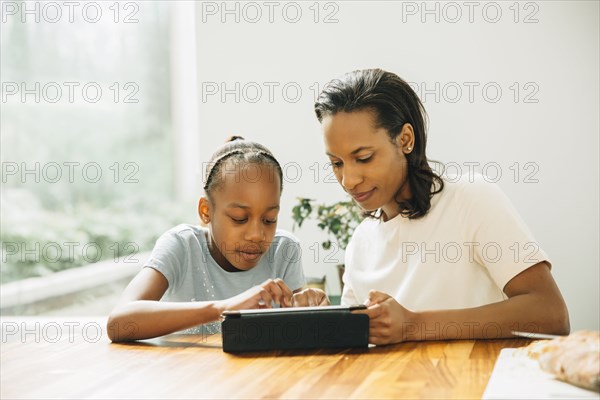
(338, 219)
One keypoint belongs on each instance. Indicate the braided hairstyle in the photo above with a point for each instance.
(239, 153)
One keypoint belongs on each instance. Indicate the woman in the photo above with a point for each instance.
(435, 259)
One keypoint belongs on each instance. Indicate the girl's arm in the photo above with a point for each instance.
(534, 305)
(140, 315)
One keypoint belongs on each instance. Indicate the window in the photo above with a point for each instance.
(86, 136)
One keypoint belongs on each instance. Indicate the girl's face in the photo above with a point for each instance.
(242, 215)
(371, 168)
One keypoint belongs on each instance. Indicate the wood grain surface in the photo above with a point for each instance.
(73, 358)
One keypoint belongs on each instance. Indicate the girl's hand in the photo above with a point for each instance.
(387, 318)
(260, 296)
(310, 297)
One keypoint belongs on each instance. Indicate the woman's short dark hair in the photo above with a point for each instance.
(394, 103)
(239, 153)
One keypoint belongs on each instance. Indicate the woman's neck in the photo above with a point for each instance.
(403, 194)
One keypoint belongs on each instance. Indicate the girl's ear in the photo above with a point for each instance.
(204, 211)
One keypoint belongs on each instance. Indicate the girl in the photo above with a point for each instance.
(241, 261)
(434, 260)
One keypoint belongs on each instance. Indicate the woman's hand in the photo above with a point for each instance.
(386, 318)
(260, 296)
(310, 297)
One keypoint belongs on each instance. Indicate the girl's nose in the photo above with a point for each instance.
(255, 232)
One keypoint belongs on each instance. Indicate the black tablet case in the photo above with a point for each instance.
(306, 328)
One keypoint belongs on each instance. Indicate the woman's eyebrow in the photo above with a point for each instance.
(358, 150)
(361, 149)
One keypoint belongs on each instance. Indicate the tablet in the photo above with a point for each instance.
(287, 310)
(294, 328)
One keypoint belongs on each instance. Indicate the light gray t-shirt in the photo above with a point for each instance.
(181, 254)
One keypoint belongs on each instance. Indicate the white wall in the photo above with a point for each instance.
(557, 57)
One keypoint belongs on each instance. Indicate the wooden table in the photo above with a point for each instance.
(73, 358)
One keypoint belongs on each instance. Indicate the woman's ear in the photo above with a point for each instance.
(204, 211)
(405, 141)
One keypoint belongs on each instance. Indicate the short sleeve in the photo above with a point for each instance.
(497, 236)
(289, 258)
(348, 296)
(168, 257)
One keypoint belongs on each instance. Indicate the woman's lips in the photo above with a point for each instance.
(363, 196)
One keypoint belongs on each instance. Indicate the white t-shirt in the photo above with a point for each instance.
(461, 254)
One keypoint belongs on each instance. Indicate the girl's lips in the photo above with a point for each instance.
(250, 256)
(361, 197)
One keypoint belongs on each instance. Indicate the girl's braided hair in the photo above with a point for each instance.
(239, 153)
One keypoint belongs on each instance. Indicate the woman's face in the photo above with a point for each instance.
(242, 214)
(368, 165)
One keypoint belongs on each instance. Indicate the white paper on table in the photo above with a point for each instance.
(520, 377)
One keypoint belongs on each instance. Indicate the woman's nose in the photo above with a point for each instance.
(350, 178)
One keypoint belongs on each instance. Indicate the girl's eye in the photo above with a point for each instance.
(270, 221)
(364, 159)
(239, 221)
(336, 164)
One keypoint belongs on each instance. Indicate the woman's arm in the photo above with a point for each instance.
(140, 315)
(534, 304)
